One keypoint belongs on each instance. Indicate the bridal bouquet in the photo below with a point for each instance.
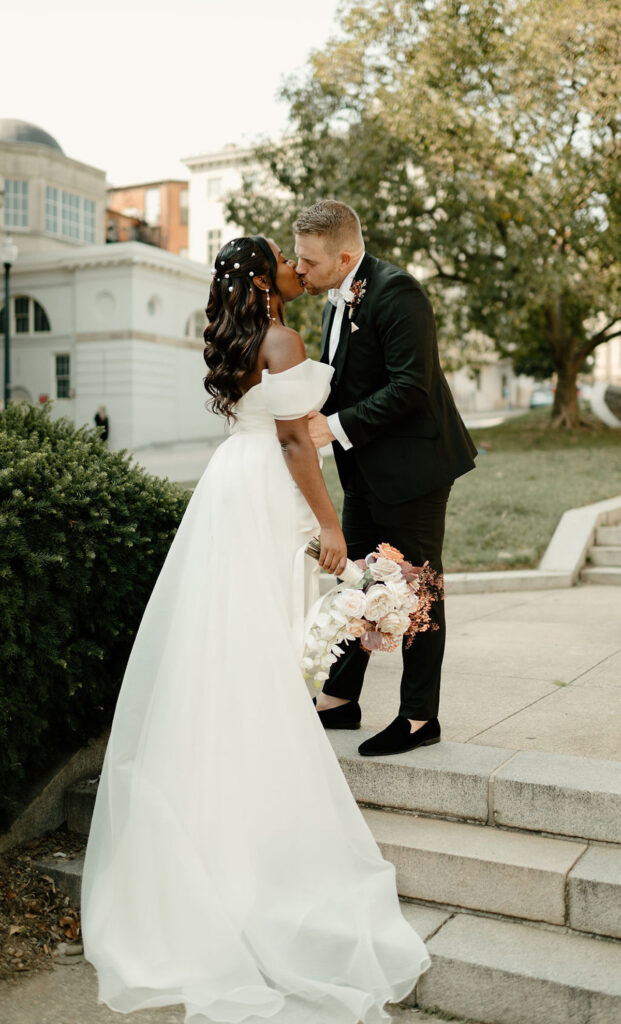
(382, 599)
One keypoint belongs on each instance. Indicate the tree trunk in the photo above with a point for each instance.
(565, 412)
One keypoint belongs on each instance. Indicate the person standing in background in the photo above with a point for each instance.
(101, 420)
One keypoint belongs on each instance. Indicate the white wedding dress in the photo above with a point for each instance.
(228, 866)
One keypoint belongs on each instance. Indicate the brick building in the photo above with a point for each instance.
(155, 213)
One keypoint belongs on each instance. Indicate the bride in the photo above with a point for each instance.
(228, 867)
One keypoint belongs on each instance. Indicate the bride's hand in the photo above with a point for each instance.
(333, 555)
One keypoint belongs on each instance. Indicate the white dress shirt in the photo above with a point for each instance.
(334, 422)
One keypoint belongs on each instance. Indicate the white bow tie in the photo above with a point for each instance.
(336, 295)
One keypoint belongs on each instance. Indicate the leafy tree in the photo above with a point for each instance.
(478, 141)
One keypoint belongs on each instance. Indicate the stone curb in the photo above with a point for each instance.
(577, 797)
(560, 566)
(505, 973)
(512, 874)
(47, 810)
(575, 533)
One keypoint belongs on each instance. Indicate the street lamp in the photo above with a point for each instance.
(8, 255)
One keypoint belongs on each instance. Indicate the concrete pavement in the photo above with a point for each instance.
(68, 995)
(536, 670)
(183, 462)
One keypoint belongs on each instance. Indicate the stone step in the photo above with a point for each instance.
(498, 972)
(605, 555)
(608, 535)
(475, 867)
(66, 873)
(578, 797)
(492, 971)
(511, 874)
(80, 804)
(608, 575)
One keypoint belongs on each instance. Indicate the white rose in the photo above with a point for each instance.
(400, 591)
(380, 602)
(385, 569)
(395, 623)
(390, 623)
(413, 602)
(351, 603)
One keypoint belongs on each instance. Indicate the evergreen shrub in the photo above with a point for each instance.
(83, 535)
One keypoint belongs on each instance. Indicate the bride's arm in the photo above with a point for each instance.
(283, 349)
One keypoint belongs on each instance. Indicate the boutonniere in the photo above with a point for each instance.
(357, 293)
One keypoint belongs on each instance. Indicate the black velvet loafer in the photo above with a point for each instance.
(345, 716)
(397, 737)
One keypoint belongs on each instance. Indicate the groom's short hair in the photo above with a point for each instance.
(334, 221)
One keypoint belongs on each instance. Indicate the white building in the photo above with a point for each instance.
(490, 385)
(119, 330)
(51, 203)
(607, 365)
(212, 177)
(93, 324)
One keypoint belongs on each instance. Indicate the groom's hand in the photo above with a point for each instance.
(319, 430)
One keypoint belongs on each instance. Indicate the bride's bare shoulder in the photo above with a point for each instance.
(282, 348)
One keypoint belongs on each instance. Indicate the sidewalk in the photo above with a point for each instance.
(183, 462)
(537, 670)
(68, 995)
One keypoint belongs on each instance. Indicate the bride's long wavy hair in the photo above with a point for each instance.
(237, 319)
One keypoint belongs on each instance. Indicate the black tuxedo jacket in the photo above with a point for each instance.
(392, 398)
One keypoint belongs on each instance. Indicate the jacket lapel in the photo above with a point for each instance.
(326, 324)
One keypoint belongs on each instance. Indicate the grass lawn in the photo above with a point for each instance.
(504, 513)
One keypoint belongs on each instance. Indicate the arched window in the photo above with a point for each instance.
(196, 324)
(27, 316)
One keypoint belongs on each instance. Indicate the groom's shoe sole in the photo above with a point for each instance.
(337, 718)
(403, 750)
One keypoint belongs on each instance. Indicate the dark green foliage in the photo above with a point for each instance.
(83, 535)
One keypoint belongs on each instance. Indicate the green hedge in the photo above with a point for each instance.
(83, 535)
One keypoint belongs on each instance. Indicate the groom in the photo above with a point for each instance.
(398, 442)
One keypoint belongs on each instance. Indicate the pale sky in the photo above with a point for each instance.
(132, 86)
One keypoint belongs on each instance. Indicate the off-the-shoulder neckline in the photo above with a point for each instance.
(279, 373)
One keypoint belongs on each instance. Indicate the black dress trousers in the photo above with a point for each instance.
(416, 528)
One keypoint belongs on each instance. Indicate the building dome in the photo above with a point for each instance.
(22, 131)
